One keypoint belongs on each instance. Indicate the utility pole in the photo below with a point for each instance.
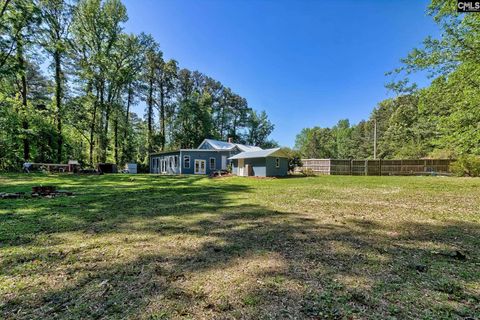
(374, 139)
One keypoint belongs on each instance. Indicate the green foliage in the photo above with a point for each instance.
(10, 123)
(259, 128)
(307, 172)
(315, 143)
(81, 108)
(294, 158)
(442, 120)
(466, 166)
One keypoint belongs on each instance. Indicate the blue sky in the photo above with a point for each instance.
(307, 63)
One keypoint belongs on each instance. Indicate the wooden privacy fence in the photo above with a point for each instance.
(377, 167)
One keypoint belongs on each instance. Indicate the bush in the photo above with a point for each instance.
(466, 166)
(308, 172)
(143, 167)
(294, 159)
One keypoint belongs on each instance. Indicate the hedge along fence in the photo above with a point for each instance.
(377, 167)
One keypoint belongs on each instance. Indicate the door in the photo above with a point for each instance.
(200, 166)
(241, 167)
(164, 166)
(224, 162)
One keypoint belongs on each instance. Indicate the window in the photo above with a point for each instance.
(212, 163)
(175, 161)
(170, 162)
(186, 162)
(277, 163)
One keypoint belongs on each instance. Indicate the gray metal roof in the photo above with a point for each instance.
(222, 145)
(275, 152)
(189, 150)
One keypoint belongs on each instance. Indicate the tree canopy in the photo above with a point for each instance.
(80, 107)
(440, 121)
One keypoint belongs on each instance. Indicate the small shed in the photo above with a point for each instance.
(130, 168)
(262, 163)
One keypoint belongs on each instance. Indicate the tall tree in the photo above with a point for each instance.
(154, 60)
(96, 29)
(259, 127)
(56, 15)
(23, 22)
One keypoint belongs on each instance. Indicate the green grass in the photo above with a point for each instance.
(152, 247)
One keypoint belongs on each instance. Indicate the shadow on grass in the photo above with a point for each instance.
(103, 202)
(248, 261)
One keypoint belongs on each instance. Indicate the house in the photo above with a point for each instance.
(260, 163)
(211, 155)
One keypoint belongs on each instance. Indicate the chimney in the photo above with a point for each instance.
(230, 140)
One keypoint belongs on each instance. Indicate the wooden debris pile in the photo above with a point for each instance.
(219, 174)
(49, 192)
(37, 191)
(15, 195)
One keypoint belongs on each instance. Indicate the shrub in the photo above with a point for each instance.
(308, 172)
(294, 159)
(466, 166)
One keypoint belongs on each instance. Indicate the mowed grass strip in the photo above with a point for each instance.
(155, 247)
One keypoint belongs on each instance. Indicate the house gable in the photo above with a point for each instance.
(206, 145)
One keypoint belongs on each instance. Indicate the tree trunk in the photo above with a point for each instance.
(150, 116)
(127, 120)
(162, 116)
(92, 129)
(115, 131)
(105, 110)
(23, 91)
(58, 100)
(222, 121)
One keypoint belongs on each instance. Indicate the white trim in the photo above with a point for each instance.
(224, 162)
(203, 142)
(163, 165)
(183, 164)
(275, 152)
(214, 163)
(241, 167)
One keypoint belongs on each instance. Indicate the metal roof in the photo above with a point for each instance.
(217, 146)
(222, 145)
(189, 150)
(260, 154)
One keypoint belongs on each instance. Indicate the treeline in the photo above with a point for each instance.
(440, 121)
(70, 76)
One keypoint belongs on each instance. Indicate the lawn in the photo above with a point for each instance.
(153, 247)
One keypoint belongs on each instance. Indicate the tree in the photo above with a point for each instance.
(294, 158)
(56, 16)
(166, 77)
(23, 18)
(342, 134)
(315, 143)
(82, 109)
(96, 30)
(259, 127)
(194, 118)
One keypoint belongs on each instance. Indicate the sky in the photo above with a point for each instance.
(306, 63)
